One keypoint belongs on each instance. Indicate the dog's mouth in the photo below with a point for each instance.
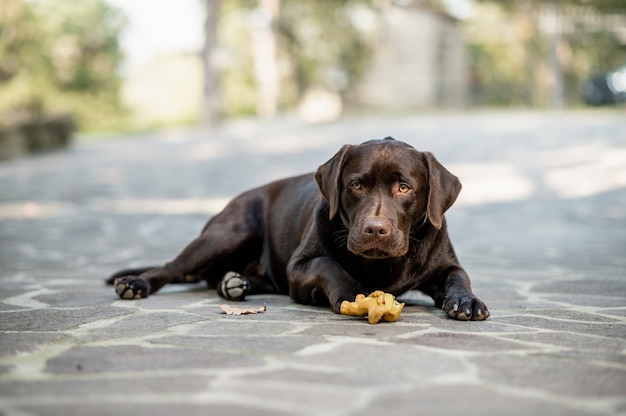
(376, 252)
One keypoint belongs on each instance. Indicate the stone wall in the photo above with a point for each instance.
(418, 61)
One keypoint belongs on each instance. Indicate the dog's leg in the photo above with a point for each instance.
(128, 285)
(133, 286)
(206, 257)
(128, 272)
(235, 286)
(321, 280)
(230, 241)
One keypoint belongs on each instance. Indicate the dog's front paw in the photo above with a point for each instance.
(233, 286)
(466, 307)
(131, 287)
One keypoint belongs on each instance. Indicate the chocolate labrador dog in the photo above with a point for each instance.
(371, 218)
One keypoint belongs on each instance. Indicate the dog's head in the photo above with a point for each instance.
(382, 190)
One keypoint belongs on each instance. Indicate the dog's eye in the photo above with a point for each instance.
(356, 185)
(404, 188)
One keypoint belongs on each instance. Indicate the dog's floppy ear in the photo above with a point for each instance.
(444, 187)
(328, 177)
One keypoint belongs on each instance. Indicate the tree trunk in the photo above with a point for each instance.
(265, 57)
(553, 31)
(213, 106)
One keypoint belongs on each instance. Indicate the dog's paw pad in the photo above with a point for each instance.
(234, 286)
(131, 287)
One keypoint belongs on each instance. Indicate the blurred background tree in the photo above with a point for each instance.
(61, 57)
(538, 52)
(534, 53)
(317, 45)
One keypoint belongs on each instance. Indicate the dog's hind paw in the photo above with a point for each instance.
(233, 286)
(131, 287)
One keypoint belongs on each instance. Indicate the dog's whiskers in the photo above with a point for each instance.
(341, 237)
(414, 240)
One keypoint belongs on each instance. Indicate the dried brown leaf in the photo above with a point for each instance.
(230, 310)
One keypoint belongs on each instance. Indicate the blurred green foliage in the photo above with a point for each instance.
(64, 56)
(318, 46)
(61, 57)
(508, 48)
(326, 47)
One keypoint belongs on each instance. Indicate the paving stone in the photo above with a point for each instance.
(10, 290)
(619, 312)
(588, 299)
(253, 344)
(597, 343)
(25, 342)
(297, 394)
(141, 325)
(464, 342)
(617, 329)
(156, 383)
(471, 400)
(595, 348)
(554, 373)
(401, 361)
(240, 326)
(55, 319)
(67, 296)
(128, 358)
(362, 329)
(572, 315)
(438, 319)
(311, 377)
(5, 307)
(151, 409)
(578, 287)
(549, 264)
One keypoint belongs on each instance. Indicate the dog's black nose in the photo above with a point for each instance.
(376, 226)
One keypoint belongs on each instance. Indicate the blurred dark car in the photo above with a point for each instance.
(603, 89)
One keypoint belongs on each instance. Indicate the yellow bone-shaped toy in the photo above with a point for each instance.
(376, 305)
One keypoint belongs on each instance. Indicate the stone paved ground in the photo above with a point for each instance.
(540, 226)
